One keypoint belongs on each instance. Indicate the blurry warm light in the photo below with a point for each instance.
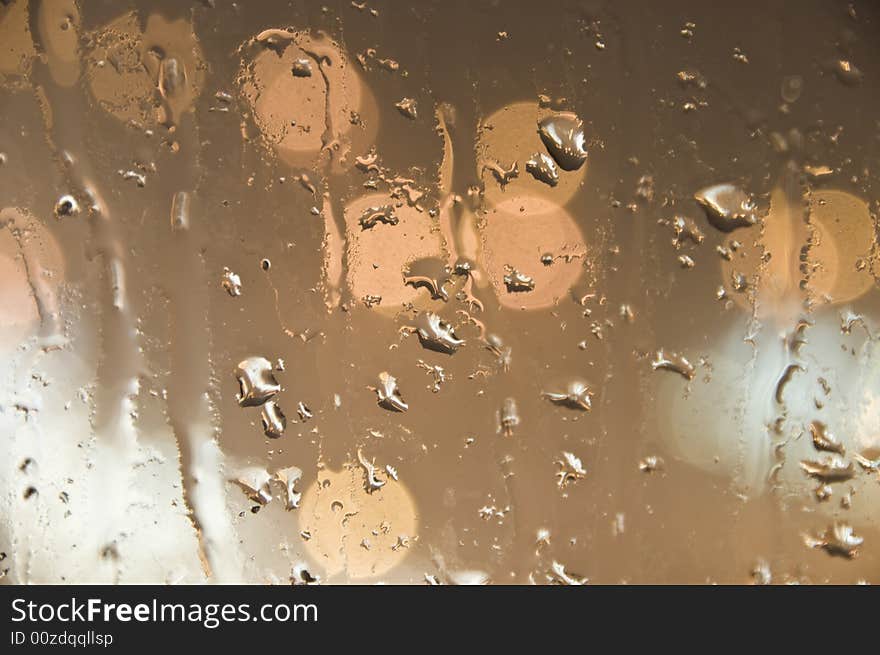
(841, 231)
(378, 256)
(516, 233)
(295, 114)
(360, 534)
(31, 266)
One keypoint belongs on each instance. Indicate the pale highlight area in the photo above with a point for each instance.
(355, 533)
(516, 234)
(729, 421)
(31, 269)
(54, 490)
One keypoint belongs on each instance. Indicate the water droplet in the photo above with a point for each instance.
(274, 420)
(172, 77)
(371, 482)
(816, 173)
(867, 463)
(302, 67)
(180, 203)
(289, 477)
(675, 362)
(300, 575)
(543, 169)
(255, 483)
(824, 440)
(650, 464)
(576, 396)
(784, 379)
(847, 72)
(373, 215)
(435, 334)
(838, 539)
(501, 174)
(431, 274)
(231, 282)
(139, 178)
(761, 574)
(517, 282)
(687, 31)
(67, 205)
(303, 411)
(388, 393)
(508, 417)
(739, 281)
(408, 108)
(437, 373)
(685, 228)
(563, 136)
(559, 576)
(256, 381)
(571, 469)
(849, 319)
(469, 578)
(832, 468)
(727, 207)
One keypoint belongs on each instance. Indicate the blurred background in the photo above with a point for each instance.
(439, 292)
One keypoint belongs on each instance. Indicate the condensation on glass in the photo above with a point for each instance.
(446, 293)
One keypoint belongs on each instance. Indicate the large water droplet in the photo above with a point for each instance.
(257, 383)
(563, 135)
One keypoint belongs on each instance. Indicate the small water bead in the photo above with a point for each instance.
(289, 477)
(373, 215)
(301, 67)
(543, 169)
(839, 539)
(408, 108)
(517, 282)
(66, 206)
(571, 469)
(847, 72)
(832, 468)
(577, 395)
(388, 393)
(508, 417)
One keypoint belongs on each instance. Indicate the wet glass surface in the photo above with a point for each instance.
(439, 292)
